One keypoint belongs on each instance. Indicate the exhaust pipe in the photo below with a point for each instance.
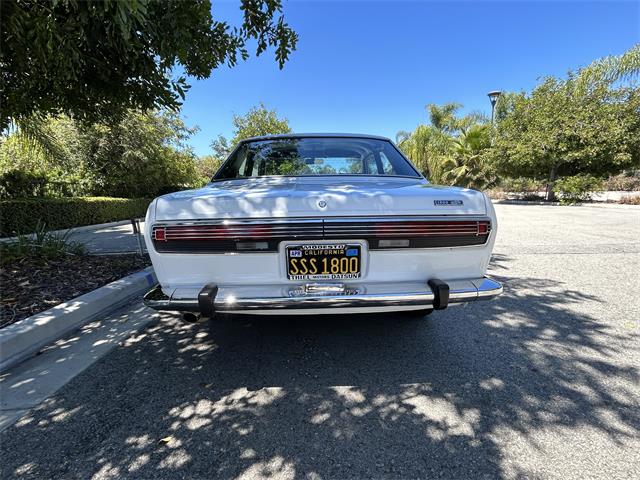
(190, 317)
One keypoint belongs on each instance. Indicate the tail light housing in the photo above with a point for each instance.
(266, 235)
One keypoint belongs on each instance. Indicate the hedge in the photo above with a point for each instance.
(23, 216)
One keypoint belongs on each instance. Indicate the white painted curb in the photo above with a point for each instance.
(26, 337)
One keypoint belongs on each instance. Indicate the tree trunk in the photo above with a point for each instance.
(550, 195)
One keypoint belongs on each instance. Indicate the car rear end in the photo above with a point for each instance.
(320, 245)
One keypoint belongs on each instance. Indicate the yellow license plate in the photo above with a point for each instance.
(324, 262)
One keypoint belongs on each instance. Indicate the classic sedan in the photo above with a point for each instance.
(319, 223)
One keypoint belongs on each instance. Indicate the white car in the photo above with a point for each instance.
(319, 223)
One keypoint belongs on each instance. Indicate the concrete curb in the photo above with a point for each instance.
(25, 338)
(558, 204)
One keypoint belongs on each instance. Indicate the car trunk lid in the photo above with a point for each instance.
(284, 197)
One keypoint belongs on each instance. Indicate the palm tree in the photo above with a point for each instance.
(611, 69)
(470, 168)
(429, 149)
(449, 150)
(35, 135)
(443, 117)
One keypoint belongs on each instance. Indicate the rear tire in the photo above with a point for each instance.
(417, 314)
(192, 318)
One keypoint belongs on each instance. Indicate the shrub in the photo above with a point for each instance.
(20, 184)
(25, 216)
(41, 244)
(521, 185)
(630, 200)
(577, 188)
(25, 184)
(627, 182)
(497, 194)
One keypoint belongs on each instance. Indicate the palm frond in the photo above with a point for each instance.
(611, 69)
(34, 135)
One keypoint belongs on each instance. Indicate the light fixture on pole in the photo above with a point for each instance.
(493, 98)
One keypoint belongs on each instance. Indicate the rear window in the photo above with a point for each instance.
(316, 156)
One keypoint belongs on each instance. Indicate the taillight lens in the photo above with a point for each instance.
(160, 234)
(483, 228)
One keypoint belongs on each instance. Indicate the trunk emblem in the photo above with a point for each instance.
(322, 204)
(447, 203)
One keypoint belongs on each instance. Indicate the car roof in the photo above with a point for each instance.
(314, 135)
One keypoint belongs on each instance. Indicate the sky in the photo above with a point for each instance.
(372, 66)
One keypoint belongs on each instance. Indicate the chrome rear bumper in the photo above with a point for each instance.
(283, 299)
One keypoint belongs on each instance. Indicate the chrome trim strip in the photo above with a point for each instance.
(320, 220)
(239, 221)
(460, 291)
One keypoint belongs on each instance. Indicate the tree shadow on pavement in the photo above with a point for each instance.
(338, 396)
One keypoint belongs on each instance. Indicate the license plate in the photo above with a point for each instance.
(324, 262)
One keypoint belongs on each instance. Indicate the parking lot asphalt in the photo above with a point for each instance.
(543, 382)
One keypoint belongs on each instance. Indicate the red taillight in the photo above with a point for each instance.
(212, 232)
(259, 231)
(427, 228)
(159, 234)
(483, 228)
(383, 229)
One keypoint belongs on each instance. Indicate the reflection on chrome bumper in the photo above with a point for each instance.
(302, 299)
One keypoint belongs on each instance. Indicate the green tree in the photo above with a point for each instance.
(429, 149)
(588, 123)
(47, 152)
(506, 104)
(221, 148)
(257, 121)
(96, 59)
(443, 117)
(207, 166)
(611, 69)
(450, 149)
(142, 155)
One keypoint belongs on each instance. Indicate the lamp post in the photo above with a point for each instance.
(493, 98)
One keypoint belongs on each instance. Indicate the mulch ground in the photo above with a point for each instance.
(32, 285)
